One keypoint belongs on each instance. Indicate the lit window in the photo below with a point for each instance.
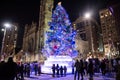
(106, 15)
(110, 13)
(101, 16)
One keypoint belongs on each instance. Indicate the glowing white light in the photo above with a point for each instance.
(7, 25)
(3, 29)
(59, 3)
(61, 60)
(87, 15)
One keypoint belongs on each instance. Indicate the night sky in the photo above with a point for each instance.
(25, 11)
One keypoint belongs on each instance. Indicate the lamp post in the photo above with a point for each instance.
(13, 43)
(87, 16)
(6, 25)
(85, 21)
(118, 48)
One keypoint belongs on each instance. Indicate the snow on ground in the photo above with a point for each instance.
(68, 77)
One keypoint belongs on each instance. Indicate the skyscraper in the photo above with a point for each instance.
(109, 32)
(88, 30)
(29, 42)
(34, 35)
(114, 7)
(10, 40)
(46, 7)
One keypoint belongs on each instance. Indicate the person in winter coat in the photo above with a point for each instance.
(77, 70)
(90, 70)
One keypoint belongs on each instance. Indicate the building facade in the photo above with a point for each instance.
(114, 7)
(109, 32)
(46, 7)
(88, 31)
(34, 36)
(9, 41)
(29, 41)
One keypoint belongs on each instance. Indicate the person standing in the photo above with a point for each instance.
(36, 68)
(90, 70)
(21, 71)
(118, 70)
(72, 68)
(2, 70)
(77, 70)
(28, 70)
(57, 69)
(53, 70)
(11, 69)
(65, 70)
(25, 69)
(103, 67)
(39, 69)
(81, 69)
(61, 71)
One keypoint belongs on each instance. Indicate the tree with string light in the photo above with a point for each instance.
(60, 39)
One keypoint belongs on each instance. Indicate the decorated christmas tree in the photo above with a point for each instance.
(60, 39)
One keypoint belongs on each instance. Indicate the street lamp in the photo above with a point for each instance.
(85, 20)
(87, 15)
(6, 25)
(118, 47)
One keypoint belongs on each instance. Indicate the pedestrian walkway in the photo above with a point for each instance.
(68, 77)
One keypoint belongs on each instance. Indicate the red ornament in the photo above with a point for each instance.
(55, 47)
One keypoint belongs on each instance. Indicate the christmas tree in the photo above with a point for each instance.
(60, 39)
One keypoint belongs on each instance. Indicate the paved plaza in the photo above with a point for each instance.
(97, 76)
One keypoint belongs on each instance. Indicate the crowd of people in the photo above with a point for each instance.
(11, 70)
(8, 70)
(92, 66)
(59, 71)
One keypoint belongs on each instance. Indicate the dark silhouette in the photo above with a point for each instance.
(11, 69)
(118, 70)
(81, 69)
(53, 70)
(73, 68)
(39, 69)
(90, 70)
(57, 69)
(36, 68)
(85, 68)
(28, 70)
(103, 67)
(21, 71)
(65, 70)
(2, 70)
(61, 71)
(77, 71)
(25, 69)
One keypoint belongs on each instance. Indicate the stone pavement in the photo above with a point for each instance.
(68, 77)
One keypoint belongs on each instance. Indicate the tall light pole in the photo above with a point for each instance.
(87, 16)
(118, 48)
(85, 20)
(6, 25)
(12, 41)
